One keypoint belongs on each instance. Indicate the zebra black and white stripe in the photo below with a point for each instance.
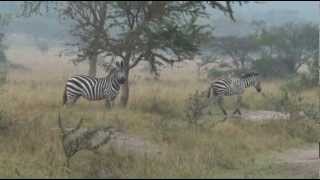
(233, 87)
(93, 89)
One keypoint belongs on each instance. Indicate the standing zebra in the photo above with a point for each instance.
(94, 89)
(233, 87)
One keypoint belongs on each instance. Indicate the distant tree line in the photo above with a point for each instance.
(274, 51)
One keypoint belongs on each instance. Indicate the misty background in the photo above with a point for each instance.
(22, 30)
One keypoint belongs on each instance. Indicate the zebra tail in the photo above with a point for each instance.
(64, 98)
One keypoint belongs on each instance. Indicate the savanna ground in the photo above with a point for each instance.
(31, 146)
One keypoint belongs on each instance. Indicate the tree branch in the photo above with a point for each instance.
(136, 61)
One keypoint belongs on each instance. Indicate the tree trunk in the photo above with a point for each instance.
(125, 88)
(315, 72)
(199, 71)
(93, 66)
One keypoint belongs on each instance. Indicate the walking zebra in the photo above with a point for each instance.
(233, 87)
(94, 89)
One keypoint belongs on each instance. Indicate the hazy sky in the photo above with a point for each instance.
(283, 11)
(307, 9)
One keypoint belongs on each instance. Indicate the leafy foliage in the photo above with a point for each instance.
(292, 44)
(269, 67)
(239, 49)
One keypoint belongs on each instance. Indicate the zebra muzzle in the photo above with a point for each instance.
(122, 80)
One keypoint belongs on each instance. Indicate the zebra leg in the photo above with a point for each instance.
(220, 104)
(108, 104)
(112, 103)
(237, 110)
(71, 100)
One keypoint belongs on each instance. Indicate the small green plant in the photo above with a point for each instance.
(312, 111)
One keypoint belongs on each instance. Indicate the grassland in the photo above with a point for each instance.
(31, 146)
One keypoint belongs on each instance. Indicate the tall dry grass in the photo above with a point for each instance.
(31, 146)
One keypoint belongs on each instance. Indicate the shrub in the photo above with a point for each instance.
(269, 68)
(299, 82)
(292, 100)
(195, 106)
(263, 66)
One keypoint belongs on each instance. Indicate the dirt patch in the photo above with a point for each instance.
(260, 116)
(306, 154)
(302, 162)
(124, 143)
(132, 144)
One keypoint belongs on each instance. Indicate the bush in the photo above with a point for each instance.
(312, 111)
(195, 106)
(291, 100)
(269, 67)
(263, 66)
(299, 82)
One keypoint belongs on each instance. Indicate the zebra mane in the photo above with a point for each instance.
(250, 74)
(111, 71)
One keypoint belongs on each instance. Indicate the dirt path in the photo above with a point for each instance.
(262, 116)
(300, 162)
(133, 144)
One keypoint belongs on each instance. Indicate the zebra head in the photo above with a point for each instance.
(257, 84)
(254, 80)
(121, 72)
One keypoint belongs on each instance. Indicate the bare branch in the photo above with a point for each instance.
(137, 60)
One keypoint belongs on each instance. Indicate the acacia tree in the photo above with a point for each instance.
(159, 32)
(239, 49)
(289, 46)
(296, 44)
